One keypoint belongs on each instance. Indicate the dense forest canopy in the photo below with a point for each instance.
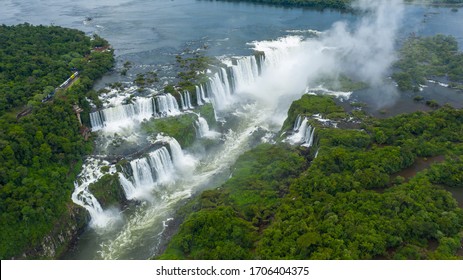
(347, 202)
(33, 64)
(41, 152)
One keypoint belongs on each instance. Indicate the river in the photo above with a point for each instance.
(151, 33)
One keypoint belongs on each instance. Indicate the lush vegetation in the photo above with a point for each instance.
(108, 191)
(347, 203)
(41, 152)
(426, 58)
(309, 105)
(192, 68)
(341, 83)
(180, 127)
(227, 221)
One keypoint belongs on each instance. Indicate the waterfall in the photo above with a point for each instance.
(220, 88)
(159, 168)
(303, 133)
(308, 136)
(223, 83)
(276, 51)
(97, 120)
(186, 100)
(299, 132)
(167, 105)
(183, 102)
(147, 174)
(297, 123)
(221, 95)
(226, 81)
(202, 129)
(201, 95)
(127, 185)
(245, 71)
(81, 196)
(184, 163)
(141, 108)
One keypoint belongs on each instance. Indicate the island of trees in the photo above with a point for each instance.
(332, 4)
(41, 143)
(423, 58)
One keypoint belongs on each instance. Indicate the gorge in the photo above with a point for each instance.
(264, 61)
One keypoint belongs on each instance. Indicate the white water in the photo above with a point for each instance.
(236, 82)
(303, 133)
(290, 65)
(308, 137)
(203, 130)
(91, 172)
(201, 95)
(245, 72)
(220, 91)
(148, 174)
(120, 116)
(229, 89)
(140, 234)
(158, 169)
(183, 162)
(166, 105)
(185, 99)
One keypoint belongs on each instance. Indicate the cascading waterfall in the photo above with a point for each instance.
(97, 120)
(221, 93)
(303, 133)
(276, 51)
(203, 130)
(159, 168)
(202, 127)
(201, 95)
(167, 105)
(91, 173)
(228, 80)
(147, 174)
(141, 181)
(183, 163)
(245, 71)
(258, 76)
(297, 123)
(141, 108)
(308, 136)
(183, 102)
(185, 99)
(222, 84)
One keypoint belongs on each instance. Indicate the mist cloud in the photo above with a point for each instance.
(368, 50)
(364, 50)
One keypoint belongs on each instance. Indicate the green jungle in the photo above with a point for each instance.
(346, 197)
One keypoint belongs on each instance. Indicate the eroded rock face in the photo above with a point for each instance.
(71, 224)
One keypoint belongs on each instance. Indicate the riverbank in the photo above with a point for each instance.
(42, 151)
